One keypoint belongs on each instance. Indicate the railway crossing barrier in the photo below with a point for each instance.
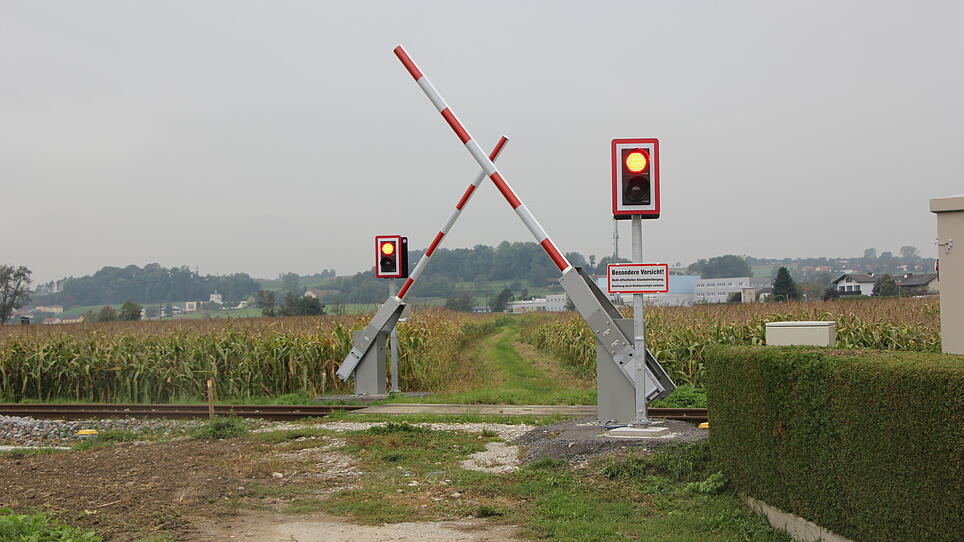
(629, 375)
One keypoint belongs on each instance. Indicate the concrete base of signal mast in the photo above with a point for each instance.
(654, 429)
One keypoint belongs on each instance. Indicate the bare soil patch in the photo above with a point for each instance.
(238, 489)
(130, 490)
(269, 527)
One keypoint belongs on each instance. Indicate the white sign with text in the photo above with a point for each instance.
(638, 278)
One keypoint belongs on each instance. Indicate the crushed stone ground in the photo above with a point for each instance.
(266, 527)
(504, 431)
(498, 457)
(135, 489)
(26, 431)
(185, 488)
(578, 440)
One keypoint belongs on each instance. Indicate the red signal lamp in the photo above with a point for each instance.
(637, 161)
(388, 249)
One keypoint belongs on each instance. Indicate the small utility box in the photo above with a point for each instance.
(950, 259)
(809, 333)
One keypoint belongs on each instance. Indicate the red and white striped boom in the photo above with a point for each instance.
(487, 165)
(423, 261)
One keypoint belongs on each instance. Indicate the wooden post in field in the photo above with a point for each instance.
(210, 399)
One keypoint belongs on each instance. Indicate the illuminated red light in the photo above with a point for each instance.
(388, 249)
(636, 161)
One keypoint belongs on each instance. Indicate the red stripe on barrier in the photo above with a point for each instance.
(407, 62)
(465, 197)
(557, 258)
(456, 125)
(498, 148)
(434, 245)
(506, 191)
(405, 287)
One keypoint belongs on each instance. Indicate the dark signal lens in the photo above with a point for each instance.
(636, 191)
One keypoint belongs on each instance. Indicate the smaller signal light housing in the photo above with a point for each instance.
(635, 185)
(391, 256)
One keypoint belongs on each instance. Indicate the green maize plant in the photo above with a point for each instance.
(258, 357)
(678, 336)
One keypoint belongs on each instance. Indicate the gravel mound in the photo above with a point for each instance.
(22, 431)
(581, 439)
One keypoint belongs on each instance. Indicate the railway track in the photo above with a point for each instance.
(696, 415)
(268, 412)
(105, 410)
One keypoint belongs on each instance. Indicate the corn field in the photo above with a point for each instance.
(677, 336)
(166, 361)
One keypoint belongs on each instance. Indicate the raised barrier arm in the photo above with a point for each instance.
(487, 165)
(584, 296)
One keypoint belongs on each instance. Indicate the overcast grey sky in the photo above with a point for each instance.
(281, 136)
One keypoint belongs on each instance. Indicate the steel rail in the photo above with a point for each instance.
(75, 411)
(106, 410)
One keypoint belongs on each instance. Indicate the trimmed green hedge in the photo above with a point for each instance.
(869, 444)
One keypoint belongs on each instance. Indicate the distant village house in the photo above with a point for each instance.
(855, 284)
(923, 284)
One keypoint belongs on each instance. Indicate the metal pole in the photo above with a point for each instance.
(615, 240)
(394, 340)
(639, 331)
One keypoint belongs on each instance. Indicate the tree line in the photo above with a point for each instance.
(150, 284)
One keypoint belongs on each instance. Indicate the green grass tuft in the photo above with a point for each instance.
(107, 438)
(396, 427)
(222, 428)
(39, 528)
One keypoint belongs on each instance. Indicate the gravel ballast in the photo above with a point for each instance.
(23, 431)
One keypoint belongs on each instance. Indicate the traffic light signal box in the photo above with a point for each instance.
(635, 164)
(391, 256)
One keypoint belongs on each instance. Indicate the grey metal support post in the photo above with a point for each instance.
(370, 371)
(394, 340)
(639, 331)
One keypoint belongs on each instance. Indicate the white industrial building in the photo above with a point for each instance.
(550, 303)
(720, 290)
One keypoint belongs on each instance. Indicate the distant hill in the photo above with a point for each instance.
(480, 270)
(150, 284)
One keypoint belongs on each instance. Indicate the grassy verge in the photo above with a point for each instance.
(40, 528)
(527, 419)
(501, 375)
(30, 452)
(411, 472)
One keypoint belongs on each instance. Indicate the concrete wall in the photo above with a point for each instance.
(798, 528)
(950, 226)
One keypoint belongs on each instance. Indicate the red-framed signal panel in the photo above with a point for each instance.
(399, 251)
(650, 147)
